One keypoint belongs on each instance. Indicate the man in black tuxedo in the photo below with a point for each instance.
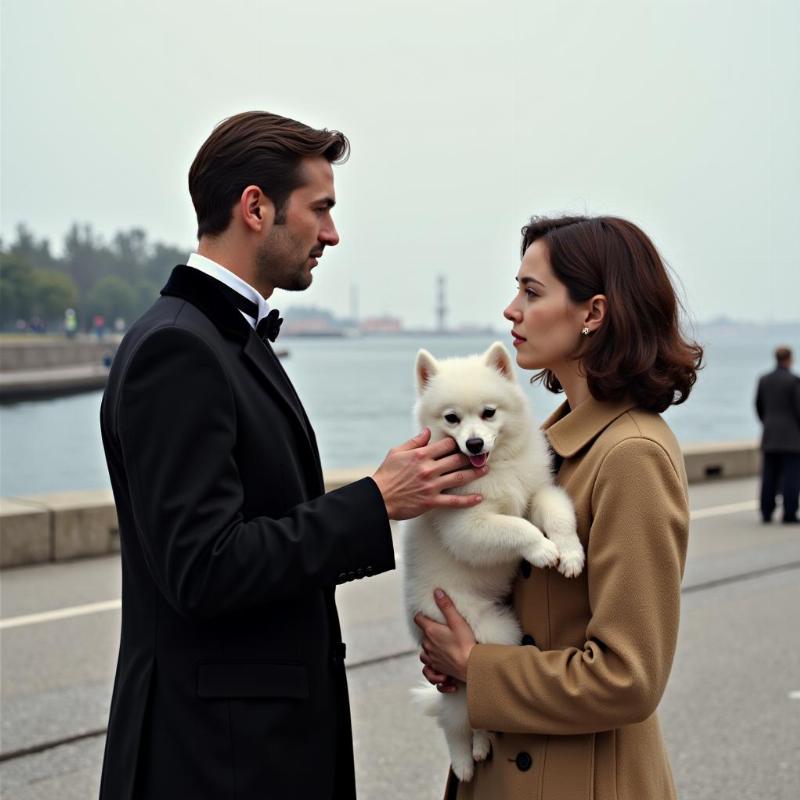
(230, 680)
(778, 407)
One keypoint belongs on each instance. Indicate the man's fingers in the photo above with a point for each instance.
(441, 448)
(451, 463)
(459, 478)
(456, 500)
(420, 440)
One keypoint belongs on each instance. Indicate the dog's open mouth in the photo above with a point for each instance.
(479, 461)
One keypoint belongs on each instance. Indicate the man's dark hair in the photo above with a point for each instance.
(258, 148)
(783, 355)
(639, 351)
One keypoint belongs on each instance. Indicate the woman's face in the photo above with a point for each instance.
(547, 324)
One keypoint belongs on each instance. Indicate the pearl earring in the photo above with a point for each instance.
(585, 331)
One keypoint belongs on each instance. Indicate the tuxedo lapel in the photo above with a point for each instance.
(262, 358)
(202, 291)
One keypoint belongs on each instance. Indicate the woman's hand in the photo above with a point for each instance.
(445, 648)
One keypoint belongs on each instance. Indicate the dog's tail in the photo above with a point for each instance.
(426, 699)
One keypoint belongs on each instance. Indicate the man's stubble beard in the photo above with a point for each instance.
(277, 265)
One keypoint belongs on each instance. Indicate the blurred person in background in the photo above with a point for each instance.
(778, 408)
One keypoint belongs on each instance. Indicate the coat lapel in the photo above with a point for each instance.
(571, 431)
(263, 360)
(202, 291)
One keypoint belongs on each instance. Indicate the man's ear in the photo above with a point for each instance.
(427, 367)
(256, 209)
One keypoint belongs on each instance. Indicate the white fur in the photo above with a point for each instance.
(473, 554)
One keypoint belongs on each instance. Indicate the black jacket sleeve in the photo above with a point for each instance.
(760, 400)
(176, 425)
(797, 400)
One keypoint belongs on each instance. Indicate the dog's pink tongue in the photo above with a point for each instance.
(478, 461)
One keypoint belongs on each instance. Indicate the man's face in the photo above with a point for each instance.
(292, 247)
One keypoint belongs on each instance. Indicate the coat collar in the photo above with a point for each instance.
(203, 291)
(570, 431)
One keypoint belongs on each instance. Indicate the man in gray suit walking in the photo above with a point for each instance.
(778, 407)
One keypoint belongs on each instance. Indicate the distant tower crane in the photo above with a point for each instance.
(441, 307)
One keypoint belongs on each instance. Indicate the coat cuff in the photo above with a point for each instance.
(370, 549)
(482, 684)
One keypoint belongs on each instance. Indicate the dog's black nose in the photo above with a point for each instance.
(475, 446)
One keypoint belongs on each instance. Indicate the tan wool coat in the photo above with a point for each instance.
(574, 705)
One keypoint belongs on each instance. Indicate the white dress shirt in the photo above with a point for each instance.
(223, 275)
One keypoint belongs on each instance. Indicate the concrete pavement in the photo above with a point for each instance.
(730, 717)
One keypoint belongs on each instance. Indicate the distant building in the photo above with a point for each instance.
(383, 324)
(310, 321)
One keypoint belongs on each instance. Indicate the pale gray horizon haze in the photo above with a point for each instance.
(465, 118)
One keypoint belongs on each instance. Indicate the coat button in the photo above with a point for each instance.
(528, 639)
(359, 573)
(524, 761)
(525, 569)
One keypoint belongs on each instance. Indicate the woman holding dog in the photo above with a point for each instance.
(574, 705)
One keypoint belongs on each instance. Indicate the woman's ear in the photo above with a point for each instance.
(596, 312)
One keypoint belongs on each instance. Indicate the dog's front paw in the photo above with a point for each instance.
(571, 562)
(481, 745)
(543, 554)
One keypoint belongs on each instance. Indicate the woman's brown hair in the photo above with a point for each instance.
(257, 148)
(639, 351)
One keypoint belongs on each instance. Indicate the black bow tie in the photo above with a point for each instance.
(270, 326)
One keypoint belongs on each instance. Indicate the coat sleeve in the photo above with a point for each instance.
(635, 559)
(796, 399)
(177, 431)
(760, 400)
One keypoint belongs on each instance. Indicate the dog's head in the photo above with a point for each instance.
(476, 400)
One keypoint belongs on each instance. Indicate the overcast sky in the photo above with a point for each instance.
(465, 118)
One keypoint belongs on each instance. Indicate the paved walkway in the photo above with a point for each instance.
(731, 714)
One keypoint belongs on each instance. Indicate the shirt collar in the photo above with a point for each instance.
(233, 281)
(570, 431)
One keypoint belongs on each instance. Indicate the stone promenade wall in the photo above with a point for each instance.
(68, 525)
(50, 351)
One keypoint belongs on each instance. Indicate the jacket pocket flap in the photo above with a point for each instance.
(252, 679)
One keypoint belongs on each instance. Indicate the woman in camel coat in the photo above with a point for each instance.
(573, 707)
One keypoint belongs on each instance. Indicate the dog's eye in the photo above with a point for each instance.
(452, 419)
(488, 413)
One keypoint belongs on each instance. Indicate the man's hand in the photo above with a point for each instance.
(414, 475)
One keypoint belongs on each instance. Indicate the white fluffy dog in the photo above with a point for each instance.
(473, 554)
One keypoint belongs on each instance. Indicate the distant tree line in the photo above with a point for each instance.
(116, 279)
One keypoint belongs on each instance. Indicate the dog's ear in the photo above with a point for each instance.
(498, 357)
(427, 367)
